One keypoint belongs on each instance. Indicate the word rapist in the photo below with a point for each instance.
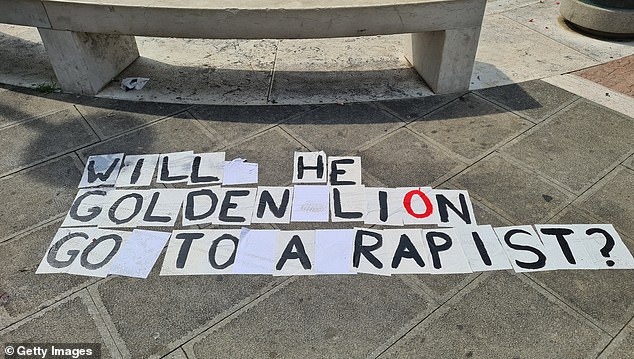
(95, 237)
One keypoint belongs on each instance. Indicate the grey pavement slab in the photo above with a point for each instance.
(317, 317)
(470, 126)
(629, 162)
(234, 123)
(606, 296)
(413, 108)
(69, 322)
(443, 287)
(577, 146)
(512, 191)
(173, 134)
(623, 345)
(535, 100)
(501, 316)
(38, 194)
(27, 291)
(403, 159)
(340, 129)
(176, 354)
(20, 104)
(273, 151)
(485, 215)
(150, 314)
(33, 141)
(112, 117)
(613, 200)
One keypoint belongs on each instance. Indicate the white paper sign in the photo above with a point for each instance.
(236, 208)
(384, 206)
(88, 208)
(197, 252)
(347, 203)
(445, 252)
(239, 171)
(310, 204)
(523, 248)
(454, 208)
(371, 254)
(101, 170)
(175, 167)
(310, 167)
(295, 253)
(410, 254)
(202, 205)
(207, 169)
(137, 171)
(482, 248)
(419, 205)
(344, 171)
(138, 253)
(273, 205)
(256, 252)
(146, 208)
(333, 251)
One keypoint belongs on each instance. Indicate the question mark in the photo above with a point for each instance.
(609, 243)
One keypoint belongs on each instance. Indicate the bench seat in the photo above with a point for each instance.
(91, 41)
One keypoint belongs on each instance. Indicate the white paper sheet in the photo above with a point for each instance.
(474, 239)
(597, 245)
(236, 206)
(174, 167)
(256, 252)
(414, 251)
(138, 253)
(333, 251)
(238, 171)
(189, 252)
(310, 204)
(347, 203)
(280, 212)
(143, 208)
(523, 248)
(373, 255)
(450, 257)
(137, 171)
(310, 167)
(101, 170)
(419, 205)
(300, 246)
(207, 169)
(89, 208)
(463, 214)
(384, 206)
(202, 205)
(344, 170)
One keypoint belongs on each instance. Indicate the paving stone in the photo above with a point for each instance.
(470, 126)
(501, 317)
(613, 202)
(414, 108)
(33, 141)
(179, 133)
(273, 151)
(111, 117)
(535, 100)
(176, 354)
(402, 159)
(519, 195)
(20, 104)
(605, 295)
(616, 75)
(37, 194)
(233, 123)
(20, 258)
(622, 347)
(69, 322)
(151, 313)
(629, 162)
(318, 317)
(578, 146)
(340, 129)
(485, 215)
(26, 63)
(445, 285)
(571, 215)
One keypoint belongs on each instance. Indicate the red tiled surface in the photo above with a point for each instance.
(617, 75)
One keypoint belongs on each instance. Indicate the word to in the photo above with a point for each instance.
(95, 237)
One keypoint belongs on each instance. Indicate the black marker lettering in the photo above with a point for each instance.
(481, 248)
(266, 200)
(294, 250)
(93, 176)
(191, 199)
(336, 194)
(334, 172)
(196, 178)
(136, 173)
(93, 266)
(188, 238)
(165, 172)
(444, 202)
(51, 257)
(93, 211)
(360, 249)
(149, 216)
(214, 248)
(541, 258)
(406, 249)
(560, 234)
(301, 167)
(227, 205)
(435, 249)
(383, 208)
(137, 208)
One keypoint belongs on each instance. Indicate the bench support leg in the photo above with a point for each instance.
(445, 59)
(84, 63)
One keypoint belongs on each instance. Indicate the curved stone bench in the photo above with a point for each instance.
(90, 41)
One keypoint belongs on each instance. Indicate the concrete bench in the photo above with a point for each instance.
(89, 42)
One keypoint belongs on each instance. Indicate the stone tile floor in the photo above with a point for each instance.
(528, 153)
